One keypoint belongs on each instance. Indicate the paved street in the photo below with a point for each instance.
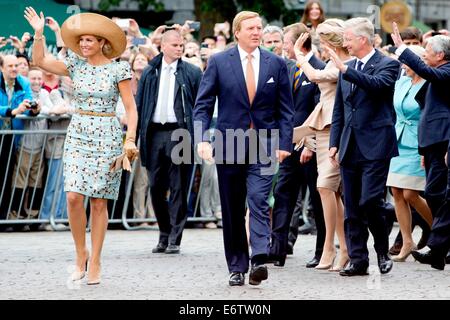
(36, 265)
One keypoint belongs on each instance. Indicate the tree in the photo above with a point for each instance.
(211, 11)
(158, 6)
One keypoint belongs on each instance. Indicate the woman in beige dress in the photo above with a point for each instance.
(318, 126)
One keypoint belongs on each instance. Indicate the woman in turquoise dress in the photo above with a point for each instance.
(406, 172)
(94, 136)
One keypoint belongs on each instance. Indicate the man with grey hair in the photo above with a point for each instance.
(273, 39)
(363, 131)
(434, 136)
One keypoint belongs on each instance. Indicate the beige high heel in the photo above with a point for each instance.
(402, 257)
(325, 266)
(80, 273)
(94, 278)
(338, 267)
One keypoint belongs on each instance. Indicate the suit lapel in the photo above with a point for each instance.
(263, 70)
(347, 85)
(236, 66)
(369, 67)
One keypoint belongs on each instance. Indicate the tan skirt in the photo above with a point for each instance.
(329, 176)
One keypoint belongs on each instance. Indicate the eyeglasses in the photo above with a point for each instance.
(351, 39)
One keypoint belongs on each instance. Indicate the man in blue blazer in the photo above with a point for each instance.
(253, 92)
(362, 130)
(434, 136)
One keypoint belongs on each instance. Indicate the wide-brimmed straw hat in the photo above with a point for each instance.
(96, 25)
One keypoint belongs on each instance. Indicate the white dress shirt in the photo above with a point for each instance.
(255, 63)
(400, 50)
(365, 59)
(171, 118)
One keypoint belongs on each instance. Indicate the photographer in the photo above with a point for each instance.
(29, 167)
(15, 97)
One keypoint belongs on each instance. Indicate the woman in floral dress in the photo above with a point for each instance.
(94, 136)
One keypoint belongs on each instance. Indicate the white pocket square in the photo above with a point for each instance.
(305, 83)
(270, 80)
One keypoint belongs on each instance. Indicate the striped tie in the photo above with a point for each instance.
(297, 75)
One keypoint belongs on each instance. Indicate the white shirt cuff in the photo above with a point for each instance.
(400, 50)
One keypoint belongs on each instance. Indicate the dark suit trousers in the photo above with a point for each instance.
(164, 175)
(291, 175)
(238, 183)
(436, 171)
(364, 182)
(439, 239)
(7, 155)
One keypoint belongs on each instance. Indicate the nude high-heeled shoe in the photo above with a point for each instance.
(80, 272)
(94, 274)
(402, 257)
(339, 266)
(327, 266)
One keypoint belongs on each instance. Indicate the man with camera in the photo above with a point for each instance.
(15, 98)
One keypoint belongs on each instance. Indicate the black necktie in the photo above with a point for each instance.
(358, 68)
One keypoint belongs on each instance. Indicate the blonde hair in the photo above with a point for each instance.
(241, 16)
(332, 31)
(107, 48)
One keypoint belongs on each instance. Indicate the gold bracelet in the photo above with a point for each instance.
(38, 38)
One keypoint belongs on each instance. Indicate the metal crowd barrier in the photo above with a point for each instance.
(21, 203)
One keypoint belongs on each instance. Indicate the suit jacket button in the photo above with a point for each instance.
(353, 109)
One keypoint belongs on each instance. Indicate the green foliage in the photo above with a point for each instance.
(157, 6)
(271, 10)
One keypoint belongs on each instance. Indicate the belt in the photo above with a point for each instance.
(96, 114)
(166, 126)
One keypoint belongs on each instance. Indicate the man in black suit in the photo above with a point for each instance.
(165, 99)
(363, 131)
(434, 136)
(291, 173)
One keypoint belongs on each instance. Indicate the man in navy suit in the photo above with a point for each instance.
(253, 92)
(292, 174)
(434, 136)
(362, 130)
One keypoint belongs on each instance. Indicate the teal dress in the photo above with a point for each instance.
(92, 142)
(405, 171)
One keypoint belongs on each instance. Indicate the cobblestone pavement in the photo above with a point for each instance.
(36, 265)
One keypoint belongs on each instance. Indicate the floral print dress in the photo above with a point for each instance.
(92, 142)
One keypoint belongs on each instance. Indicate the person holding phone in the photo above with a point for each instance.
(94, 136)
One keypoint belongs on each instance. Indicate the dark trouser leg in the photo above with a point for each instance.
(439, 240)
(233, 192)
(374, 176)
(178, 183)
(295, 220)
(258, 190)
(6, 157)
(286, 192)
(355, 221)
(159, 178)
(436, 171)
